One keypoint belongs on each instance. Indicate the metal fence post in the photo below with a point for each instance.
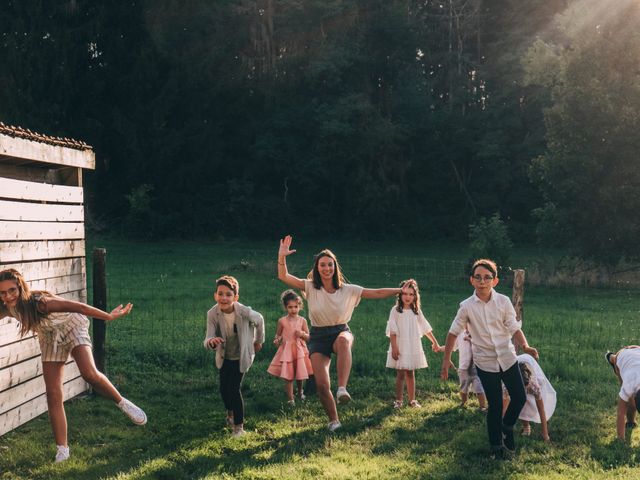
(99, 301)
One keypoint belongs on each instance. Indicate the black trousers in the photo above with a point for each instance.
(492, 384)
(230, 384)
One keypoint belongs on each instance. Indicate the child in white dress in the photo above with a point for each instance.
(405, 329)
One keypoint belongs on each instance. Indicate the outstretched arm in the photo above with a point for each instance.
(543, 420)
(446, 361)
(283, 274)
(521, 340)
(620, 418)
(435, 346)
(57, 304)
(380, 292)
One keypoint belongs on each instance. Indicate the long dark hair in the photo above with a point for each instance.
(415, 307)
(26, 311)
(338, 278)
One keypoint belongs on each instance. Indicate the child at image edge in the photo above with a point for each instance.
(291, 361)
(405, 329)
(236, 332)
(491, 321)
(62, 327)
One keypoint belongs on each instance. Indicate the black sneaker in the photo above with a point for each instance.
(508, 439)
(630, 425)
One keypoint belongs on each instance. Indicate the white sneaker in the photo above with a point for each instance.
(62, 454)
(135, 413)
(343, 396)
(335, 425)
(238, 433)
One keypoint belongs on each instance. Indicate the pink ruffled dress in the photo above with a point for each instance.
(291, 361)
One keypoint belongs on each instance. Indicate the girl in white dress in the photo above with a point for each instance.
(405, 329)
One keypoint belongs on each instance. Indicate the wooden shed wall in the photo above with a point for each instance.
(42, 236)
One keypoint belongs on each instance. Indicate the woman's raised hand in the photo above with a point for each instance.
(285, 246)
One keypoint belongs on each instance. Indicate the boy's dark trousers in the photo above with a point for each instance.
(492, 384)
(230, 383)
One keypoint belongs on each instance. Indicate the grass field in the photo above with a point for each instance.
(156, 358)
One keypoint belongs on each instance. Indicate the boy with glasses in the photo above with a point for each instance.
(491, 321)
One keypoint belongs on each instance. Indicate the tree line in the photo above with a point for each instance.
(367, 118)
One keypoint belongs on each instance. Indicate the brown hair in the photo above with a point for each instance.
(337, 279)
(526, 373)
(486, 263)
(26, 311)
(291, 296)
(415, 307)
(229, 282)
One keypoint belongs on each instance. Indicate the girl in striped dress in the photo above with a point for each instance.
(62, 328)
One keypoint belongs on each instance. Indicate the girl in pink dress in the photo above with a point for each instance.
(291, 361)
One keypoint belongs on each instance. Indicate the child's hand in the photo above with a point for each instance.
(436, 348)
(531, 351)
(444, 370)
(215, 341)
(276, 340)
(121, 311)
(395, 353)
(257, 347)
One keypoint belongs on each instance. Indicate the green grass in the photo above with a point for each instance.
(156, 358)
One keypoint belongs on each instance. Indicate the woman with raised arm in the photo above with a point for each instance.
(331, 302)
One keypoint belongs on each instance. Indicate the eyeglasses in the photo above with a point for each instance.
(486, 278)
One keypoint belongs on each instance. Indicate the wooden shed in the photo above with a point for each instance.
(42, 236)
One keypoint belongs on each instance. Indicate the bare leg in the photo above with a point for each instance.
(463, 398)
(411, 384)
(300, 390)
(342, 349)
(399, 384)
(631, 411)
(321, 364)
(482, 400)
(288, 388)
(52, 372)
(101, 384)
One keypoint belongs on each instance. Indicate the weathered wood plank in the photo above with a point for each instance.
(58, 285)
(9, 333)
(49, 268)
(42, 192)
(22, 231)
(22, 393)
(22, 414)
(45, 153)
(27, 211)
(22, 372)
(19, 351)
(13, 252)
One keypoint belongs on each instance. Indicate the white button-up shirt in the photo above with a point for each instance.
(491, 325)
(628, 362)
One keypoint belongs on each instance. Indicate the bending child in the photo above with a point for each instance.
(541, 397)
(626, 366)
(491, 320)
(291, 360)
(236, 333)
(62, 327)
(405, 329)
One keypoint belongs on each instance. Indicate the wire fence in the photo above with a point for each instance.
(572, 326)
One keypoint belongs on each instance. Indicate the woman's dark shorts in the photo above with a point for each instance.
(321, 338)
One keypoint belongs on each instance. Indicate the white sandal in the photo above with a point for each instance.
(397, 404)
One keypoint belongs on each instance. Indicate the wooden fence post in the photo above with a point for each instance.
(517, 297)
(99, 301)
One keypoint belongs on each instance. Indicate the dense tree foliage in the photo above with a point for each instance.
(345, 117)
(590, 172)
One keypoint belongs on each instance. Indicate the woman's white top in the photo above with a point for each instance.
(329, 309)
